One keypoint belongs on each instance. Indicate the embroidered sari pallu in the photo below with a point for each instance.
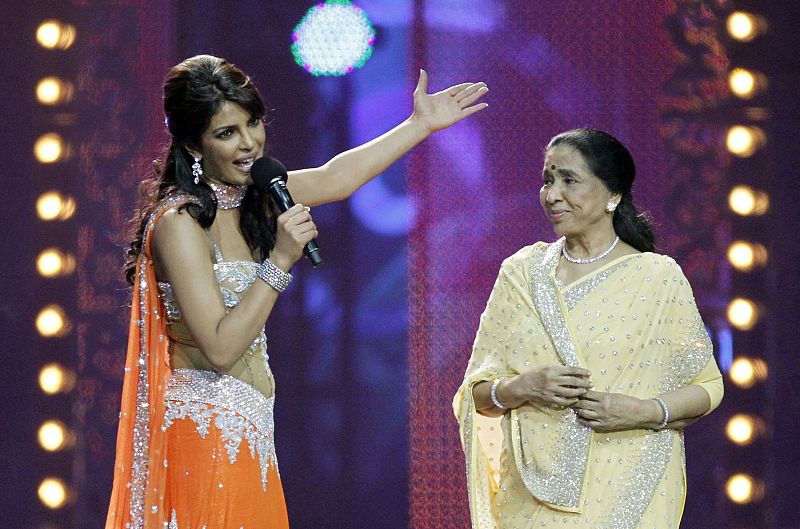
(633, 323)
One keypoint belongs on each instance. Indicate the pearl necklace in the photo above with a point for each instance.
(588, 260)
(228, 196)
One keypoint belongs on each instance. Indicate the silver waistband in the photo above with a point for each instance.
(234, 407)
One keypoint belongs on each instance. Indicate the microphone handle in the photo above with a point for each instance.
(284, 201)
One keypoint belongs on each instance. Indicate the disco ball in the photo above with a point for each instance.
(333, 38)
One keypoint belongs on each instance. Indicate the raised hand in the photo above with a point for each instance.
(442, 109)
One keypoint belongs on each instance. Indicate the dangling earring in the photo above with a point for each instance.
(197, 170)
(611, 207)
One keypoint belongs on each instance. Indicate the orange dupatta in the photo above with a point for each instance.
(137, 496)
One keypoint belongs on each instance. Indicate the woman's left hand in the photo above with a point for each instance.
(610, 412)
(442, 109)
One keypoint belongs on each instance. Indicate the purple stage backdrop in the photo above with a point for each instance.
(368, 350)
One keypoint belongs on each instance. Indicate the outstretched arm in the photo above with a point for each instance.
(346, 172)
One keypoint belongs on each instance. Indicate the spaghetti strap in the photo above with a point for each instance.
(217, 252)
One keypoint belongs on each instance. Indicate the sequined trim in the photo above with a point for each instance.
(170, 303)
(141, 429)
(478, 486)
(562, 483)
(234, 407)
(693, 352)
(231, 272)
(575, 293)
(225, 272)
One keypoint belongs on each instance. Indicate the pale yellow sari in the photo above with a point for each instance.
(634, 324)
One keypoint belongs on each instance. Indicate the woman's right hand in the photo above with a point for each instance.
(553, 386)
(295, 229)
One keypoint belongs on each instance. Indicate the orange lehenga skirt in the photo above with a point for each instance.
(220, 461)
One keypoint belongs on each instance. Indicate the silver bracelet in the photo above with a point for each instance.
(270, 274)
(666, 413)
(493, 394)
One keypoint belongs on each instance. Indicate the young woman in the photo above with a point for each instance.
(207, 262)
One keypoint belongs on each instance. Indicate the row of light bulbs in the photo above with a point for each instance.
(744, 141)
(53, 206)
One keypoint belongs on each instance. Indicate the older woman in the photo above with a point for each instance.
(592, 351)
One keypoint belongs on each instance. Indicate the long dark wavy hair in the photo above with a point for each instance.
(194, 91)
(612, 163)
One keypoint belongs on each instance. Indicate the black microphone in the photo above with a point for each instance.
(269, 176)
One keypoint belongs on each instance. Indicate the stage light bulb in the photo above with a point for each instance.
(53, 493)
(742, 83)
(54, 436)
(742, 26)
(745, 372)
(54, 378)
(743, 488)
(742, 313)
(52, 262)
(49, 148)
(744, 141)
(52, 205)
(52, 90)
(744, 200)
(741, 255)
(742, 429)
(51, 322)
(744, 256)
(53, 34)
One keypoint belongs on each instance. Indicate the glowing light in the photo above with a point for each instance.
(52, 322)
(53, 493)
(54, 378)
(333, 38)
(53, 34)
(49, 148)
(744, 141)
(52, 262)
(744, 26)
(52, 205)
(742, 429)
(54, 436)
(745, 372)
(742, 313)
(742, 488)
(744, 200)
(744, 256)
(742, 82)
(52, 91)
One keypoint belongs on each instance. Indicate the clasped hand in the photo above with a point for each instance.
(558, 386)
(551, 386)
(608, 412)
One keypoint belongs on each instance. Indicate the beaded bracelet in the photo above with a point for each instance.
(666, 413)
(270, 274)
(493, 394)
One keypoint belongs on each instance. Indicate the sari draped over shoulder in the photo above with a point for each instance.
(634, 324)
(179, 460)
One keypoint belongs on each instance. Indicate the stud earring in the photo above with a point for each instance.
(197, 170)
(611, 207)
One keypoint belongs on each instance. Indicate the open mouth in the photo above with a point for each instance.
(245, 164)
